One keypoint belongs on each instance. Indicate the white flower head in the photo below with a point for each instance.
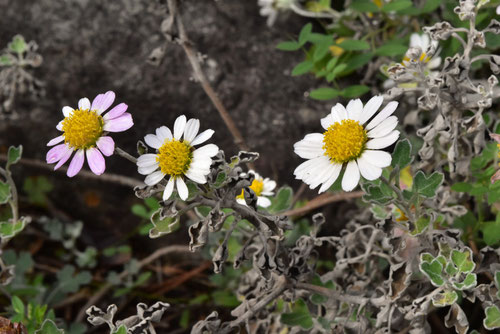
(423, 42)
(176, 156)
(351, 139)
(261, 187)
(270, 9)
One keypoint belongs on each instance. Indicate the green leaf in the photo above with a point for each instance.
(69, 282)
(379, 212)
(219, 181)
(433, 271)
(225, 298)
(402, 154)
(4, 192)
(18, 44)
(391, 50)
(299, 316)
(331, 63)
(5, 60)
(374, 194)
(450, 269)
(49, 327)
(492, 319)
(448, 297)
(121, 330)
(302, 68)
(10, 229)
(463, 260)
(333, 74)
(420, 225)
(491, 232)
(282, 201)
(14, 155)
(364, 6)
(430, 6)
(17, 305)
(288, 46)
(324, 93)
(396, 5)
(140, 211)
(357, 62)
(304, 33)
(427, 186)
(461, 187)
(354, 45)
(355, 91)
(162, 226)
(469, 282)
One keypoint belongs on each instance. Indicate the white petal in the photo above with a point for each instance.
(179, 125)
(323, 174)
(368, 171)
(377, 158)
(327, 121)
(84, 104)
(354, 109)
(67, 111)
(168, 189)
(434, 62)
(425, 42)
(384, 128)
(59, 126)
(147, 160)
(269, 185)
(163, 133)
(351, 176)
(310, 147)
(208, 150)
(146, 170)
(202, 137)
(197, 176)
(415, 40)
(182, 189)
(153, 141)
(154, 178)
(386, 112)
(370, 108)
(263, 201)
(305, 167)
(339, 113)
(383, 142)
(191, 130)
(314, 175)
(334, 174)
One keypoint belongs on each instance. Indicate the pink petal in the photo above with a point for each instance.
(103, 101)
(495, 137)
(117, 111)
(496, 176)
(56, 140)
(64, 158)
(56, 153)
(96, 161)
(107, 145)
(119, 124)
(76, 163)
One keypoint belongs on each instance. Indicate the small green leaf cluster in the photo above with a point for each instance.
(451, 271)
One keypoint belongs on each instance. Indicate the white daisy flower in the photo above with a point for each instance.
(176, 156)
(424, 42)
(261, 187)
(349, 140)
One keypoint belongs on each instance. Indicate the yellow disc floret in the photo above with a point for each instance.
(82, 128)
(344, 141)
(174, 157)
(257, 186)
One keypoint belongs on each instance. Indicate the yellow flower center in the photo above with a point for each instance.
(344, 141)
(174, 157)
(423, 58)
(257, 186)
(82, 128)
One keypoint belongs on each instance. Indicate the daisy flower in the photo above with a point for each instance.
(423, 42)
(261, 187)
(176, 156)
(84, 131)
(351, 141)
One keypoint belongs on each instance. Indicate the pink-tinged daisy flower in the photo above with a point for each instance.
(261, 187)
(351, 141)
(84, 131)
(176, 156)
